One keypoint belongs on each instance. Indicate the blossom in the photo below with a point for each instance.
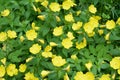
(88, 65)
(41, 41)
(58, 61)
(115, 63)
(47, 54)
(87, 76)
(34, 26)
(67, 43)
(22, 38)
(12, 70)
(92, 9)
(100, 32)
(73, 56)
(107, 36)
(30, 76)
(118, 21)
(31, 34)
(58, 31)
(35, 48)
(110, 24)
(118, 71)
(57, 18)
(6, 12)
(11, 34)
(53, 44)
(41, 17)
(67, 4)
(69, 17)
(54, 7)
(77, 26)
(48, 48)
(22, 67)
(3, 36)
(81, 44)
(44, 3)
(66, 77)
(44, 73)
(70, 35)
(29, 59)
(3, 61)
(105, 77)
(2, 70)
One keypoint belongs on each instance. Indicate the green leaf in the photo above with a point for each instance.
(105, 66)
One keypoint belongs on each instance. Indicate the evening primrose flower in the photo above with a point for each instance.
(6, 12)
(3, 36)
(48, 48)
(11, 70)
(78, 12)
(67, 4)
(55, 7)
(92, 9)
(41, 41)
(58, 61)
(118, 71)
(35, 48)
(47, 54)
(3, 61)
(53, 44)
(100, 32)
(70, 35)
(22, 67)
(44, 73)
(88, 65)
(58, 31)
(67, 43)
(29, 59)
(91, 34)
(2, 70)
(30, 76)
(41, 17)
(57, 18)
(107, 36)
(66, 77)
(81, 44)
(45, 3)
(34, 27)
(31, 34)
(115, 63)
(105, 77)
(77, 26)
(74, 57)
(22, 38)
(69, 17)
(11, 34)
(118, 21)
(110, 24)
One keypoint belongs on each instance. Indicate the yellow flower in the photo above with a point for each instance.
(47, 54)
(2, 70)
(100, 32)
(92, 9)
(67, 43)
(69, 17)
(118, 71)
(78, 12)
(30, 76)
(29, 59)
(54, 7)
(70, 35)
(110, 24)
(2, 78)
(41, 41)
(67, 68)
(115, 63)
(77, 26)
(22, 38)
(31, 34)
(58, 31)
(41, 17)
(53, 44)
(74, 57)
(12, 70)
(105, 77)
(81, 44)
(67, 4)
(90, 76)
(91, 34)
(44, 73)
(34, 27)
(5, 12)
(3, 36)
(66, 77)
(44, 3)
(48, 48)
(79, 76)
(58, 18)
(107, 36)
(3, 61)
(11, 34)
(35, 9)
(58, 61)
(88, 65)
(118, 21)
(22, 67)
(35, 48)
